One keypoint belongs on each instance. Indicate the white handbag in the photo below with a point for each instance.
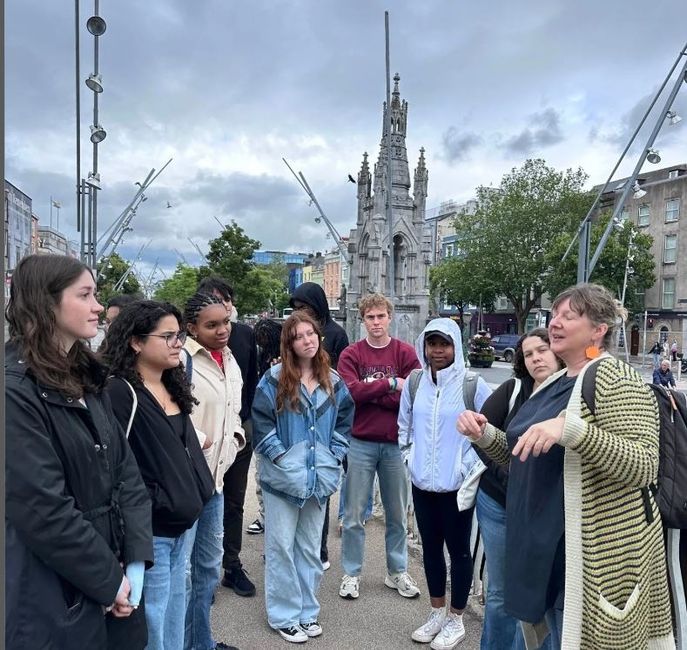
(467, 493)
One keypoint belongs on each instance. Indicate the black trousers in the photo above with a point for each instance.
(235, 481)
(440, 522)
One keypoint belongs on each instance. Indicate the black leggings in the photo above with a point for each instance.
(440, 521)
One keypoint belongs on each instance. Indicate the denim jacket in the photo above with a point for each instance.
(310, 443)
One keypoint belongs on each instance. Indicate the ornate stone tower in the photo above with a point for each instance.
(369, 245)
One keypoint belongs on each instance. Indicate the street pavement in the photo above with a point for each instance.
(380, 618)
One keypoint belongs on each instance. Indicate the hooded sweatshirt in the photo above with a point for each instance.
(438, 457)
(335, 339)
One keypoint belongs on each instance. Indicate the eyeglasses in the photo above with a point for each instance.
(171, 339)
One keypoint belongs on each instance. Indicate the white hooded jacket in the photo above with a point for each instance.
(438, 457)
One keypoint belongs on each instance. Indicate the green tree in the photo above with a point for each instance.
(110, 273)
(610, 268)
(506, 241)
(179, 287)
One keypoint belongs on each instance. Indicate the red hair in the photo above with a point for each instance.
(288, 389)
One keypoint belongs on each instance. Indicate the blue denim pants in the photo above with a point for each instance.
(164, 589)
(293, 568)
(342, 500)
(364, 459)
(499, 630)
(203, 566)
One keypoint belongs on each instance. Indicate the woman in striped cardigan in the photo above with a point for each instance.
(576, 514)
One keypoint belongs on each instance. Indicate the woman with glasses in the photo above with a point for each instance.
(77, 515)
(142, 350)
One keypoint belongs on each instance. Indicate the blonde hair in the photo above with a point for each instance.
(597, 303)
(375, 301)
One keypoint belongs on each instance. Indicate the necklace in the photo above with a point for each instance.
(163, 400)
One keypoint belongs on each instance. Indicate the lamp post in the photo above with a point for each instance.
(628, 260)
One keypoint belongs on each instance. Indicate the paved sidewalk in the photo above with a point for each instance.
(647, 371)
(379, 619)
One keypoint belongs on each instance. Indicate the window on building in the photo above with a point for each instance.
(624, 215)
(668, 296)
(449, 250)
(672, 210)
(673, 173)
(643, 215)
(669, 249)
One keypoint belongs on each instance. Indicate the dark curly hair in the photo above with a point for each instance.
(138, 319)
(196, 303)
(37, 286)
(519, 368)
(267, 334)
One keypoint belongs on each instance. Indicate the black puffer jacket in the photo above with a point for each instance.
(174, 469)
(75, 507)
(335, 339)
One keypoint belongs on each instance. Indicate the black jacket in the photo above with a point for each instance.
(174, 470)
(75, 507)
(242, 346)
(494, 480)
(335, 338)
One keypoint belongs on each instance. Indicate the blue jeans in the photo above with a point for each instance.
(364, 459)
(293, 568)
(203, 566)
(164, 589)
(342, 501)
(499, 630)
(554, 619)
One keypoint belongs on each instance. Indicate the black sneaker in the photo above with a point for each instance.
(293, 634)
(237, 580)
(256, 528)
(312, 629)
(224, 646)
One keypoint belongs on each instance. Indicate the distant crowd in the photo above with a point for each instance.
(127, 469)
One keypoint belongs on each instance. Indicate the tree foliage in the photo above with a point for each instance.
(506, 242)
(179, 287)
(110, 274)
(610, 269)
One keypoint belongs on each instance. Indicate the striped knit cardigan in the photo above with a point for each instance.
(616, 586)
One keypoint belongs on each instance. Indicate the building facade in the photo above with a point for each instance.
(18, 225)
(371, 243)
(660, 212)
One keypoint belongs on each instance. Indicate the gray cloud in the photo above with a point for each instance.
(457, 145)
(544, 131)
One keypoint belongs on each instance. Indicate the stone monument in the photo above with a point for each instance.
(369, 245)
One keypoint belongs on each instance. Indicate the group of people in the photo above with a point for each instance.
(127, 467)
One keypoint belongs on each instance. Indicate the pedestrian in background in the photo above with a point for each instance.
(302, 416)
(656, 352)
(142, 350)
(77, 514)
(663, 375)
(216, 385)
(439, 461)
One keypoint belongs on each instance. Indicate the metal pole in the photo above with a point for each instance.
(82, 209)
(622, 155)
(51, 211)
(79, 213)
(628, 185)
(93, 226)
(644, 340)
(583, 251)
(387, 136)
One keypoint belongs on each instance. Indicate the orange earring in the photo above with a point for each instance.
(592, 352)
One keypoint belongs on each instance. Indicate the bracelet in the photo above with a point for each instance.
(394, 384)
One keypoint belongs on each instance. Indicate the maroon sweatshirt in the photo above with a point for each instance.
(366, 371)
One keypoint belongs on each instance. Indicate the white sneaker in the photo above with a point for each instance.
(403, 583)
(451, 634)
(326, 565)
(426, 632)
(312, 629)
(350, 587)
(293, 634)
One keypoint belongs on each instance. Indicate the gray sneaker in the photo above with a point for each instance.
(403, 583)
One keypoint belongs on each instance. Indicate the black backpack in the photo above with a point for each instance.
(671, 489)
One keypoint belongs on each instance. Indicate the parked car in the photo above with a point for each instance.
(504, 346)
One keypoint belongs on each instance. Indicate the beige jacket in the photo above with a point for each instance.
(217, 415)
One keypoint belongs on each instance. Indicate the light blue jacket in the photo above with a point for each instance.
(438, 457)
(310, 443)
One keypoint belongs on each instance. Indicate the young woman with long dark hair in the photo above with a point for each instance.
(77, 518)
(302, 418)
(142, 349)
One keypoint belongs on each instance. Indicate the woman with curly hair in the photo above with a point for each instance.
(77, 515)
(302, 418)
(142, 350)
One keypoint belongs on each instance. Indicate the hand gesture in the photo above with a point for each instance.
(539, 438)
(121, 607)
(471, 424)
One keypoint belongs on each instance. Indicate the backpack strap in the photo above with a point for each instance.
(517, 385)
(470, 389)
(187, 362)
(134, 406)
(414, 381)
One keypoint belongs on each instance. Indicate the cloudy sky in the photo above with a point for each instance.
(228, 87)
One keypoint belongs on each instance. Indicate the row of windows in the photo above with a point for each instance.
(672, 212)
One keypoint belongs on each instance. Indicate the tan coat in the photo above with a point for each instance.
(217, 417)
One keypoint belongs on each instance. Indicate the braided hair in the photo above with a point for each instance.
(268, 336)
(196, 303)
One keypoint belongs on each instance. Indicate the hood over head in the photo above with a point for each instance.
(448, 329)
(313, 295)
